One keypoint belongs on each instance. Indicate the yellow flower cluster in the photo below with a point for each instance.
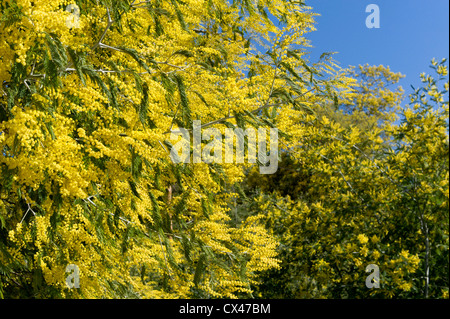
(85, 142)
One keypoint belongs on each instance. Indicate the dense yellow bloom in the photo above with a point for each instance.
(84, 141)
(363, 238)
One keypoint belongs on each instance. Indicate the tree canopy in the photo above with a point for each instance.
(91, 91)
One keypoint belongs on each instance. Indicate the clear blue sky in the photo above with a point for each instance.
(411, 33)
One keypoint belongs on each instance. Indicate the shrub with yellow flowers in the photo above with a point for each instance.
(90, 93)
(359, 190)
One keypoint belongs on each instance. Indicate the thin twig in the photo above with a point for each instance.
(109, 24)
(26, 213)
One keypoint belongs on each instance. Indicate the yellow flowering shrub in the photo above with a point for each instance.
(359, 189)
(90, 92)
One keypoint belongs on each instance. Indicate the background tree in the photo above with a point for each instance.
(378, 196)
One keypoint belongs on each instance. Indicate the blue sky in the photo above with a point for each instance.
(411, 33)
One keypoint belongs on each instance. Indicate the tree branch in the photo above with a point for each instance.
(110, 22)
